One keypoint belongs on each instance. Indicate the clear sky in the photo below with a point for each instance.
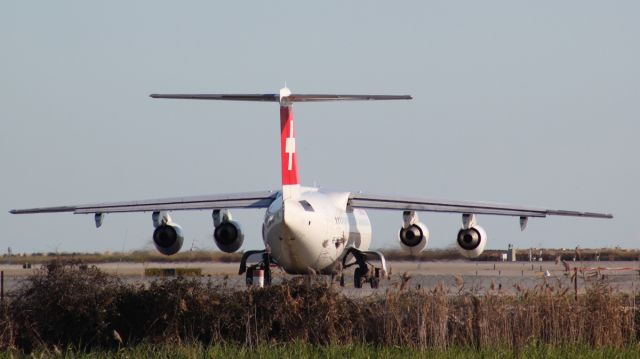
(522, 102)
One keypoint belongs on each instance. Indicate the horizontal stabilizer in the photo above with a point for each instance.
(222, 97)
(318, 98)
(276, 97)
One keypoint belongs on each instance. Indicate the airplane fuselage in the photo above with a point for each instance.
(309, 233)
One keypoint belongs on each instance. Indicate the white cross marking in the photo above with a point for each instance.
(290, 145)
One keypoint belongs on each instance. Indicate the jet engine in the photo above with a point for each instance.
(413, 235)
(167, 236)
(227, 233)
(471, 238)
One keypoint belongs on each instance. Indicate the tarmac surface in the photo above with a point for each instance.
(458, 275)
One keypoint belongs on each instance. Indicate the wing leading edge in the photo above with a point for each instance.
(372, 201)
(230, 200)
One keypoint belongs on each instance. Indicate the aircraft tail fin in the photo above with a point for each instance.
(289, 162)
(288, 155)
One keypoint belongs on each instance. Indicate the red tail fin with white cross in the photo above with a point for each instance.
(289, 157)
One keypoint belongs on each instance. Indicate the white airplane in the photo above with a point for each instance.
(307, 230)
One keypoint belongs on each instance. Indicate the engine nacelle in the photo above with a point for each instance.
(471, 241)
(414, 238)
(168, 238)
(228, 236)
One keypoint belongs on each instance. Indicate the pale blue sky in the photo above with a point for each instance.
(523, 102)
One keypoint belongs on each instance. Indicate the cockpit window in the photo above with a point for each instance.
(307, 206)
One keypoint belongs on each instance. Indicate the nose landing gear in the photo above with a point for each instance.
(260, 271)
(365, 272)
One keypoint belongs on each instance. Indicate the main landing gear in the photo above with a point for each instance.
(259, 273)
(365, 272)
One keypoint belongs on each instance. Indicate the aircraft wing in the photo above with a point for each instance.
(219, 201)
(373, 201)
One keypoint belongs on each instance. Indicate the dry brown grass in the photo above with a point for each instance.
(66, 305)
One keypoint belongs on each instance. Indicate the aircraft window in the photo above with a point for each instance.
(307, 206)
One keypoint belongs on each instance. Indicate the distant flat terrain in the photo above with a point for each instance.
(455, 275)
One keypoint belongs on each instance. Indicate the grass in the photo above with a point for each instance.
(301, 350)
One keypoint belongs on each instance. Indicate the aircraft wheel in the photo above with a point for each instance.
(359, 278)
(375, 282)
(267, 275)
(249, 277)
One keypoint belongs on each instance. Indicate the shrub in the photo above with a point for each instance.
(62, 304)
(70, 305)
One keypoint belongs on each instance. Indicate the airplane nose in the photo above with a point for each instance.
(302, 249)
(301, 245)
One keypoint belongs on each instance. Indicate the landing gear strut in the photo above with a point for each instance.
(264, 265)
(365, 272)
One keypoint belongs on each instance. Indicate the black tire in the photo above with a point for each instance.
(267, 275)
(375, 282)
(359, 278)
(249, 277)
